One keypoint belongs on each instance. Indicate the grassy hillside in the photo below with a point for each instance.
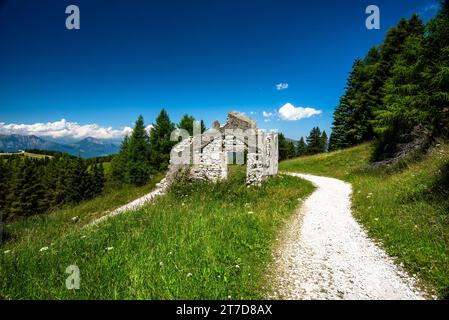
(41, 229)
(200, 241)
(25, 154)
(406, 209)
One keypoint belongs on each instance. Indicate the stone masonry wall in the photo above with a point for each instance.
(209, 160)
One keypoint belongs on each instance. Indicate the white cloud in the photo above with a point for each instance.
(432, 7)
(289, 112)
(253, 113)
(65, 129)
(267, 114)
(281, 86)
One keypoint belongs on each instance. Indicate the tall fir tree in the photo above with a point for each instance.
(119, 164)
(187, 123)
(160, 142)
(4, 183)
(27, 194)
(139, 163)
(365, 95)
(436, 74)
(324, 142)
(291, 152)
(133, 164)
(314, 141)
(98, 178)
(301, 148)
(283, 147)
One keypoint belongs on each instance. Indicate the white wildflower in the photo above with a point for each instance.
(109, 248)
(43, 249)
(189, 275)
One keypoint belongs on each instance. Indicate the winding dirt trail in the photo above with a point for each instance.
(326, 254)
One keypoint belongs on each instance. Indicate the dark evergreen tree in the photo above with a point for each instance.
(27, 194)
(343, 126)
(365, 94)
(314, 142)
(133, 164)
(119, 164)
(4, 183)
(160, 142)
(283, 147)
(324, 142)
(203, 126)
(139, 163)
(436, 73)
(186, 123)
(291, 152)
(98, 178)
(301, 148)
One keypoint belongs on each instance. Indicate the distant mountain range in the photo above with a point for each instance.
(86, 148)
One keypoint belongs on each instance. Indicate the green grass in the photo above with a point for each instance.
(26, 154)
(200, 241)
(406, 209)
(42, 229)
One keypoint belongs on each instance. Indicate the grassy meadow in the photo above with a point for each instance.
(25, 154)
(200, 241)
(405, 208)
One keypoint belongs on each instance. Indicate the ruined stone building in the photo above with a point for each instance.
(239, 141)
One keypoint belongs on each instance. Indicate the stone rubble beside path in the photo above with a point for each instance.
(326, 254)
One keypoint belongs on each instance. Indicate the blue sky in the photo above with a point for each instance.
(199, 57)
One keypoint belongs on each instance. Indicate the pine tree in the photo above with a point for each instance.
(203, 126)
(160, 142)
(344, 131)
(4, 183)
(98, 178)
(119, 163)
(436, 74)
(27, 193)
(364, 98)
(186, 123)
(324, 142)
(291, 152)
(283, 147)
(139, 153)
(314, 142)
(78, 180)
(133, 164)
(301, 148)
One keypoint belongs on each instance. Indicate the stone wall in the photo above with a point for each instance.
(209, 155)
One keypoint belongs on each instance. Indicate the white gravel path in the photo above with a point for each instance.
(326, 254)
(160, 189)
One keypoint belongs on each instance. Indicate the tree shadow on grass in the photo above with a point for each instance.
(439, 190)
